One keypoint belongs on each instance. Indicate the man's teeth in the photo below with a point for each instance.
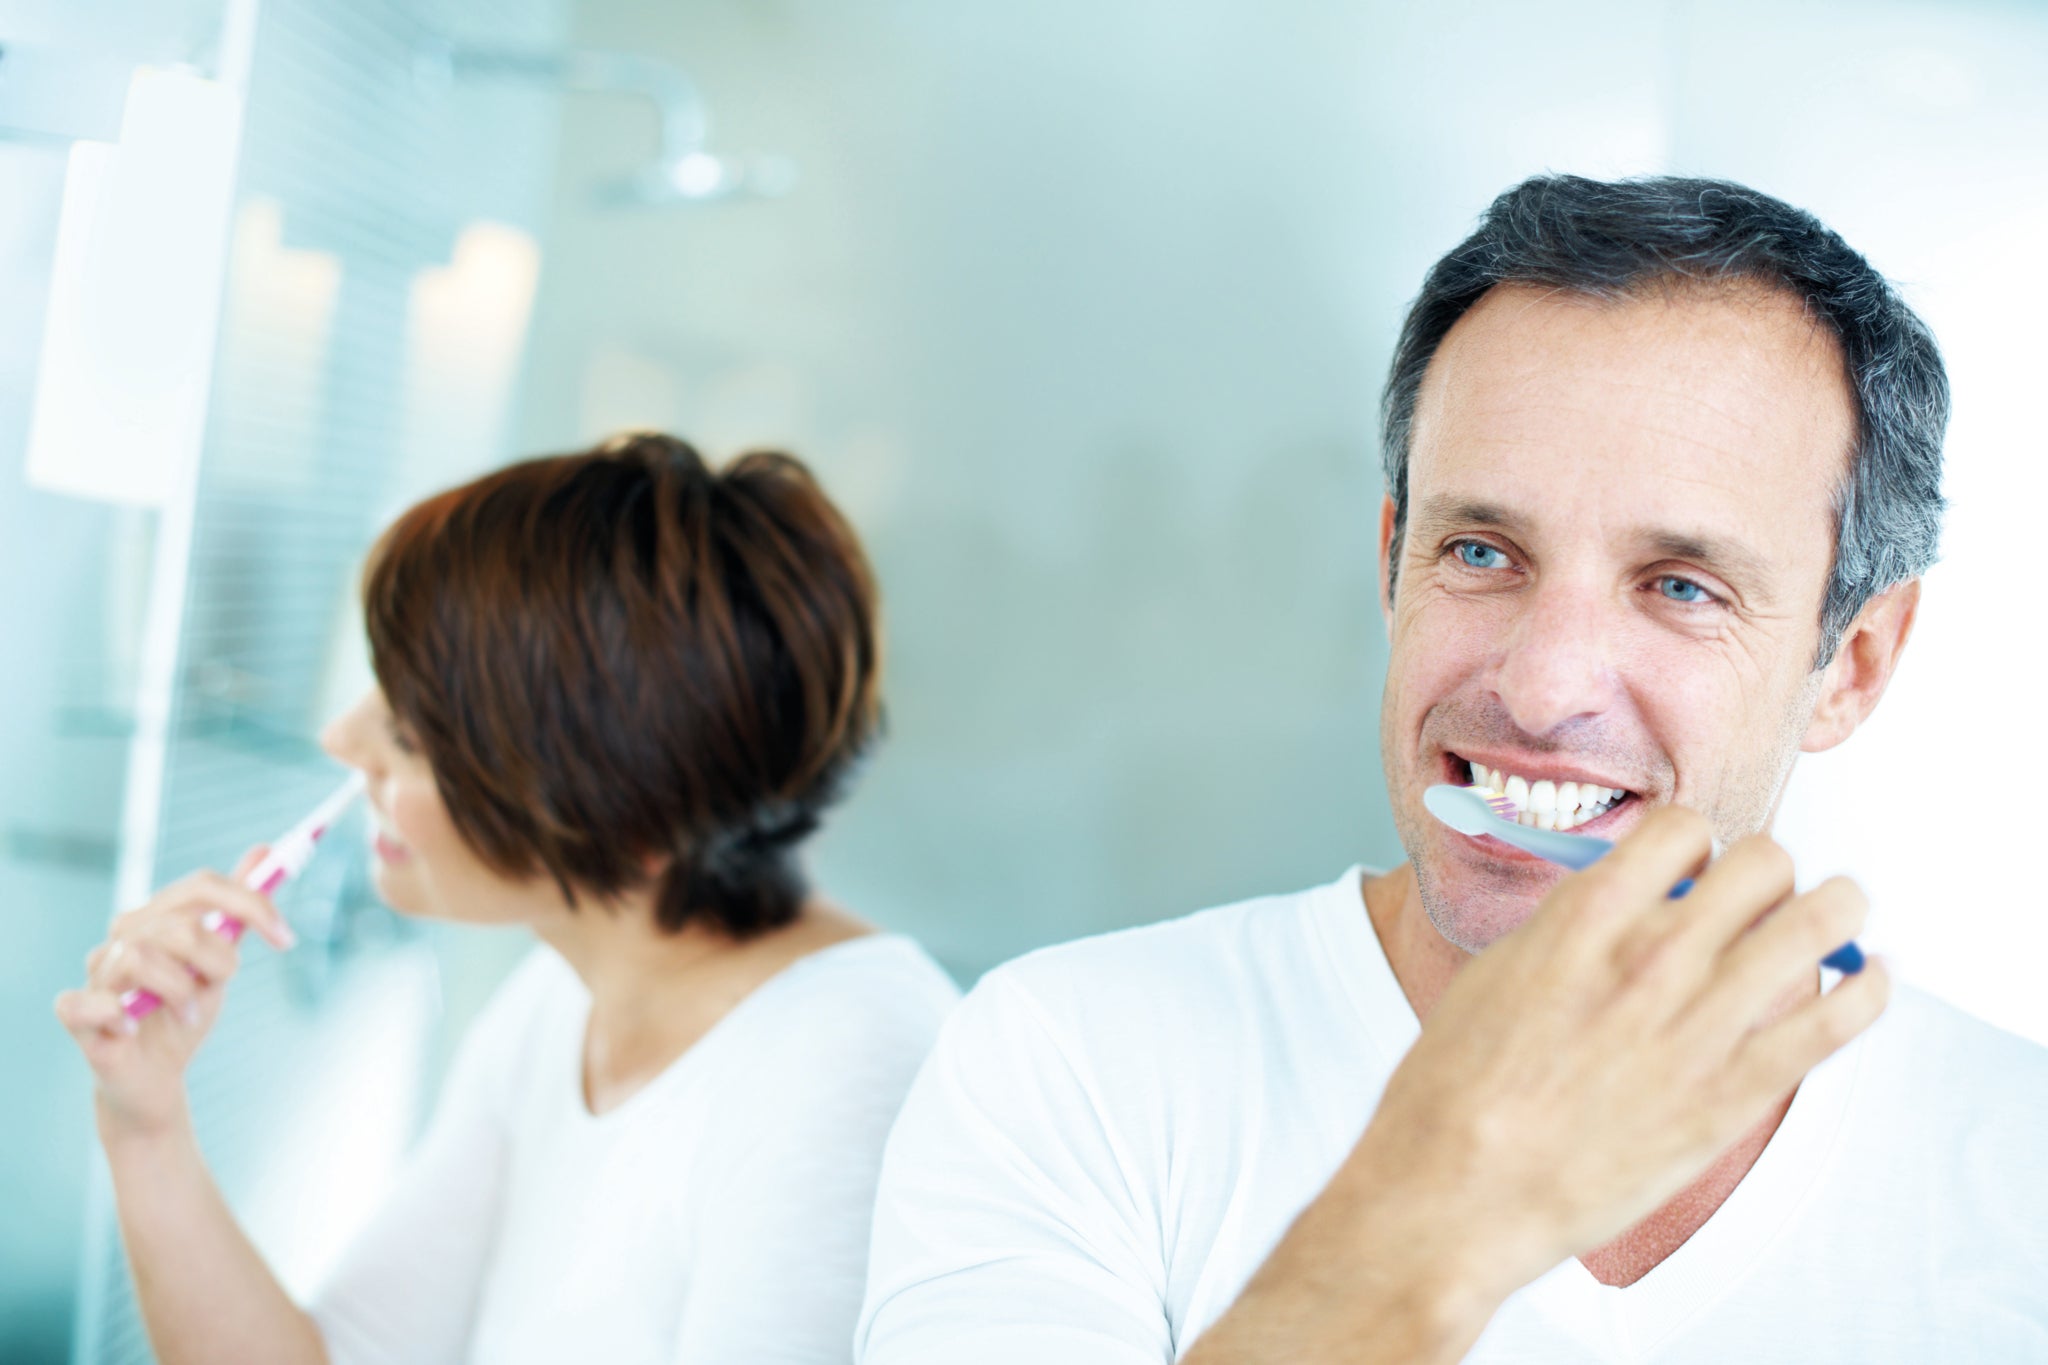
(1544, 804)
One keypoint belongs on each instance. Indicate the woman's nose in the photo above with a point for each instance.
(342, 738)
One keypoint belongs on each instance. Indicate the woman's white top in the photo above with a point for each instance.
(719, 1215)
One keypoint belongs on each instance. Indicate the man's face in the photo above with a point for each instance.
(1620, 525)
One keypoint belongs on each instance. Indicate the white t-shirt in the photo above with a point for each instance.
(719, 1216)
(1111, 1136)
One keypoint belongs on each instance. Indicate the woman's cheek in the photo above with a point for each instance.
(419, 821)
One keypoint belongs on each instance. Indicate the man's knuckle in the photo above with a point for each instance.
(1846, 914)
(1836, 1027)
(1683, 820)
(1832, 918)
(1844, 889)
(1652, 959)
(1728, 1092)
(1599, 892)
(1772, 858)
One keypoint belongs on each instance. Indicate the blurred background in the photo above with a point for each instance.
(1080, 309)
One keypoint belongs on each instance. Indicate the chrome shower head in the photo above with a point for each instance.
(699, 177)
(683, 170)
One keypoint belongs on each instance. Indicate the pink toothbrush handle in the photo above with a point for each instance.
(284, 858)
(138, 1002)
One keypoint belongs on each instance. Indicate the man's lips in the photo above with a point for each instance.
(1532, 767)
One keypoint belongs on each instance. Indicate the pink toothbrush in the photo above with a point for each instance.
(287, 859)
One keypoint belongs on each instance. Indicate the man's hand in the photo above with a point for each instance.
(1574, 1077)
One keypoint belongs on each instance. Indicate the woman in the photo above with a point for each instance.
(616, 691)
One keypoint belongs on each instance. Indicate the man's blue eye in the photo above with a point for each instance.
(1681, 589)
(1473, 555)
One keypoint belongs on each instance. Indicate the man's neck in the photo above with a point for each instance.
(1425, 963)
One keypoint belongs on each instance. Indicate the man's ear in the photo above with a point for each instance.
(1862, 667)
(1386, 561)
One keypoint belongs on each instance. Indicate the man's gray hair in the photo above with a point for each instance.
(1613, 240)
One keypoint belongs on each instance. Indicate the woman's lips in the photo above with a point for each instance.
(389, 849)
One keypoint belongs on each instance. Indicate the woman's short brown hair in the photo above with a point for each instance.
(621, 659)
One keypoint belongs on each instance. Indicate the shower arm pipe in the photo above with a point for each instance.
(678, 105)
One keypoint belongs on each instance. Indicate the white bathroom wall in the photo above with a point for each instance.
(1921, 133)
(1083, 309)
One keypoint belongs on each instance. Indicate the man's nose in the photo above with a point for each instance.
(1555, 664)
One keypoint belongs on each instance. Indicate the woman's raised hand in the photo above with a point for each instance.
(166, 948)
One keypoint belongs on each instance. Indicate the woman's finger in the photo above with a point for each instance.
(148, 967)
(89, 1012)
(206, 891)
(182, 938)
(206, 951)
(105, 963)
(249, 860)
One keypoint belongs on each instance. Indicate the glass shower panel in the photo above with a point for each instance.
(381, 254)
(71, 569)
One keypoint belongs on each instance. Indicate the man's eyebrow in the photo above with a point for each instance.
(1441, 511)
(1725, 557)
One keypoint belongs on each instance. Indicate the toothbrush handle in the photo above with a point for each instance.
(1847, 959)
(285, 860)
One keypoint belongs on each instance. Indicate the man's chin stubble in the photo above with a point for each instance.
(1475, 923)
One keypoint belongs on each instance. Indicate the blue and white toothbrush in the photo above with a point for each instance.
(1469, 810)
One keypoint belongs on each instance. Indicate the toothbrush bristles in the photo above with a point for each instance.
(1497, 802)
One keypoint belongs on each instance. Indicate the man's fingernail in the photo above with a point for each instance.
(128, 1025)
(189, 1012)
(286, 936)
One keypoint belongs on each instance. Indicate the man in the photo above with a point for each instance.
(1663, 465)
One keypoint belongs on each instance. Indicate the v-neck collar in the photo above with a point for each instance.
(1361, 964)
(711, 1043)
(1630, 1322)
(1625, 1323)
